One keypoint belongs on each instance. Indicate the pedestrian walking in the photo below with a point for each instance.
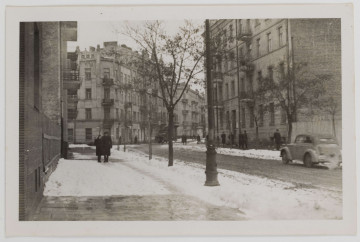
(241, 140)
(217, 141)
(98, 146)
(119, 143)
(277, 139)
(198, 139)
(223, 139)
(106, 143)
(245, 140)
(135, 139)
(185, 138)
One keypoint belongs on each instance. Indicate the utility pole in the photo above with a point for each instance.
(211, 166)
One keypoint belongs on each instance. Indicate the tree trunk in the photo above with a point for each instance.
(289, 131)
(333, 124)
(170, 136)
(150, 144)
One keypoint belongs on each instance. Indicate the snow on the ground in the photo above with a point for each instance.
(258, 198)
(252, 153)
(78, 145)
(90, 178)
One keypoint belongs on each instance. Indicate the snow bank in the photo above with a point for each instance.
(259, 198)
(252, 153)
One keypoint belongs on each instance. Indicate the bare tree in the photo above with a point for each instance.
(176, 60)
(293, 90)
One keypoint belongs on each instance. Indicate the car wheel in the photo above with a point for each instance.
(284, 157)
(307, 160)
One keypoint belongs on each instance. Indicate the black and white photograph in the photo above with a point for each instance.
(223, 118)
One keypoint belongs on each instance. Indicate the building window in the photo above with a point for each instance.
(88, 113)
(107, 113)
(227, 90)
(88, 74)
(122, 114)
(88, 93)
(227, 120)
(83, 56)
(259, 78)
(71, 134)
(258, 47)
(88, 134)
(232, 60)
(106, 93)
(233, 88)
(92, 56)
(261, 115)
(280, 31)
(272, 114)
(106, 73)
(251, 116)
(225, 39)
(220, 97)
(243, 118)
(271, 72)
(71, 113)
(269, 42)
(134, 116)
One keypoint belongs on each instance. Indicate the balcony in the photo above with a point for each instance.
(176, 124)
(187, 123)
(246, 96)
(72, 98)
(71, 79)
(107, 102)
(218, 76)
(107, 81)
(245, 34)
(143, 108)
(185, 111)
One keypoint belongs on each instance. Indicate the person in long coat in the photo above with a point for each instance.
(245, 140)
(277, 139)
(198, 139)
(241, 140)
(98, 145)
(223, 139)
(106, 146)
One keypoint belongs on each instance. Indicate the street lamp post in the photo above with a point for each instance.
(211, 166)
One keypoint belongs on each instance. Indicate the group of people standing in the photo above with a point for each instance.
(243, 139)
(103, 147)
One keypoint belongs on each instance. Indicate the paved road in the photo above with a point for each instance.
(318, 176)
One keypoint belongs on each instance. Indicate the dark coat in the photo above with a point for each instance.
(106, 143)
(277, 137)
(198, 138)
(98, 145)
(245, 137)
(241, 139)
(223, 138)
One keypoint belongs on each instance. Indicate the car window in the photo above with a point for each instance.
(308, 140)
(300, 139)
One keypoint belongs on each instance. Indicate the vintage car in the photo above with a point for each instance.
(312, 149)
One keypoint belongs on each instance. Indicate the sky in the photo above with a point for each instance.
(97, 32)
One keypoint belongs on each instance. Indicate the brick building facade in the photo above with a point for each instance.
(245, 51)
(43, 138)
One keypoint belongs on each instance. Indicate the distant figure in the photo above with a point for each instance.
(245, 140)
(206, 139)
(185, 138)
(198, 139)
(217, 140)
(98, 145)
(241, 140)
(135, 139)
(119, 143)
(223, 139)
(106, 143)
(232, 139)
(277, 139)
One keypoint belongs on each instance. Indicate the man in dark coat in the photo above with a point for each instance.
(98, 145)
(277, 139)
(245, 140)
(223, 139)
(198, 139)
(241, 140)
(106, 146)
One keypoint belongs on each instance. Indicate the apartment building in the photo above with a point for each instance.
(107, 100)
(245, 51)
(42, 100)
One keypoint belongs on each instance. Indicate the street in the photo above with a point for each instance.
(317, 176)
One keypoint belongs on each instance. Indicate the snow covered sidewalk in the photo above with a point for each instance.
(258, 198)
